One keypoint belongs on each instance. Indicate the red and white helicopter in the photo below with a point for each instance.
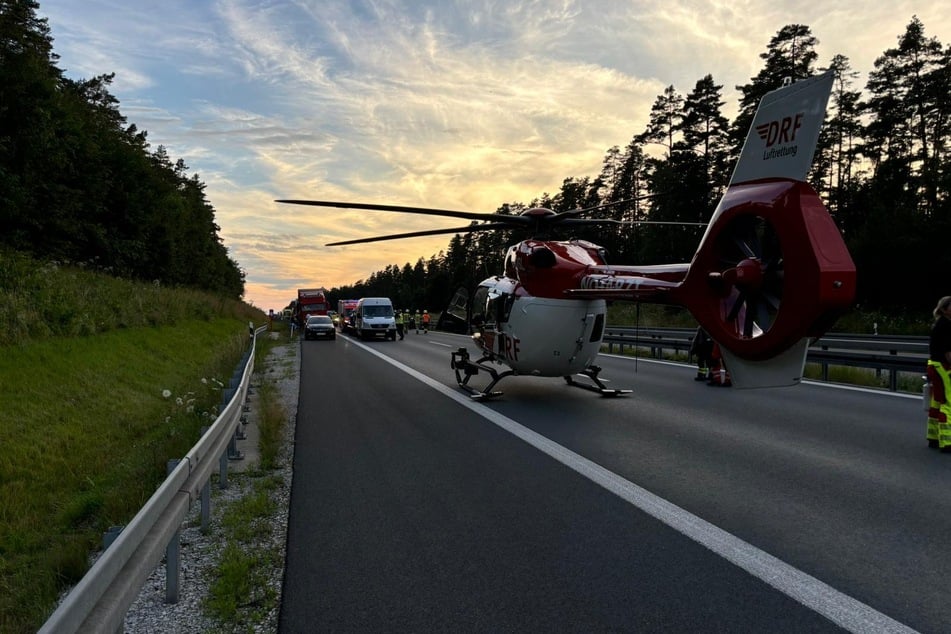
(771, 270)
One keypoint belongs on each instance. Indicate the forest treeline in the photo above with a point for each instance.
(881, 167)
(80, 185)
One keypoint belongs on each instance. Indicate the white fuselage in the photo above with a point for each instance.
(541, 336)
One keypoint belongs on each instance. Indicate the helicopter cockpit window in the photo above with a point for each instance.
(598, 330)
(479, 312)
(498, 307)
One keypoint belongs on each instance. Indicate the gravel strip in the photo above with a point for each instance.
(200, 552)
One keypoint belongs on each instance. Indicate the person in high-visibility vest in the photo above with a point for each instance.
(939, 376)
(425, 322)
(701, 346)
(400, 321)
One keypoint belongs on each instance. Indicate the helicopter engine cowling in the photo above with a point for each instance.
(771, 269)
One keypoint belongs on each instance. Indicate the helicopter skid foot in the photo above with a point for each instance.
(591, 372)
(466, 369)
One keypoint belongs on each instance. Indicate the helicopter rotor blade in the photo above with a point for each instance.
(666, 222)
(589, 222)
(573, 213)
(468, 215)
(491, 226)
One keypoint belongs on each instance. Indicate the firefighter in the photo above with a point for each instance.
(719, 375)
(426, 322)
(939, 367)
(400, 321)
(417, 320)
(702, 347)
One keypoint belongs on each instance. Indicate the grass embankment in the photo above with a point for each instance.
(102, 381)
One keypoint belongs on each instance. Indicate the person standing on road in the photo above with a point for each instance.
(702, 347)
(425, 322)
(400, 321)
(939, 376)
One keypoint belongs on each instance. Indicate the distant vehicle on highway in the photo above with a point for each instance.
(373, 317)
(310, 301)
(345, 310)
(318, 326)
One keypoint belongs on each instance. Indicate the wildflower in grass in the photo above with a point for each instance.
(179, 401)
(204, 380)
(166, 393)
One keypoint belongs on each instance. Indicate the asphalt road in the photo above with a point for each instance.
(680, 507)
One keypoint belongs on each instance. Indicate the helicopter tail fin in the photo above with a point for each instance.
(772, 268)
(785, 131)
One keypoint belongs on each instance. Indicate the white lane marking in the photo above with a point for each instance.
(846, 612)
(444, 345)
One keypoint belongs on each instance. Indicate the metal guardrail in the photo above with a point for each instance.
(99, 602)
(894, 353)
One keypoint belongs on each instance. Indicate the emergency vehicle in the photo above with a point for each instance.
(310, 301)
(345, 310)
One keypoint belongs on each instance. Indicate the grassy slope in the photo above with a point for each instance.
(85, 427)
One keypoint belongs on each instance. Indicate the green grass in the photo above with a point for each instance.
(240, 594)
(240, 597)
(40, 300)
(93, 403)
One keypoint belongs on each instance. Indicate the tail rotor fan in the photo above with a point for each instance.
(752, 268)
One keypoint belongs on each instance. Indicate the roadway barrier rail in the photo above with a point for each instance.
(99, 602)
(883, 353)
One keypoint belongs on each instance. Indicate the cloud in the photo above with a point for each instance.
(462, 105)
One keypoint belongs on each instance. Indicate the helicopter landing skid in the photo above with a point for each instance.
(592, 372)
(462, 365)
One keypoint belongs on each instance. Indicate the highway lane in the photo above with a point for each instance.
(835, 483)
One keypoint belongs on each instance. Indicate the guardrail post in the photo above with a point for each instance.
(223, 471)
(206, 506)
(110, 536)
(173, 556)
(205, 499)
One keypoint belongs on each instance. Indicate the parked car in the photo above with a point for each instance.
(318, 326)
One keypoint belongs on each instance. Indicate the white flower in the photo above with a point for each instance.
(166, 393)
(204, 380)
(179, 401)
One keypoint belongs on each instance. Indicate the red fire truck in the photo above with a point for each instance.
(310, 301)
(345, 308)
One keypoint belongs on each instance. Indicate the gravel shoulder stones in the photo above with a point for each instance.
(200, 551)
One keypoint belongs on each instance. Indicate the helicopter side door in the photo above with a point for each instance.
(492, 307)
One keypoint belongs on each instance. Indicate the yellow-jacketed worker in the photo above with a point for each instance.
(400, 322)
(939, 375)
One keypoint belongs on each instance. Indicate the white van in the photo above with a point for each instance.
(374, 317)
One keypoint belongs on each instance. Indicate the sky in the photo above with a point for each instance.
(450, 104)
